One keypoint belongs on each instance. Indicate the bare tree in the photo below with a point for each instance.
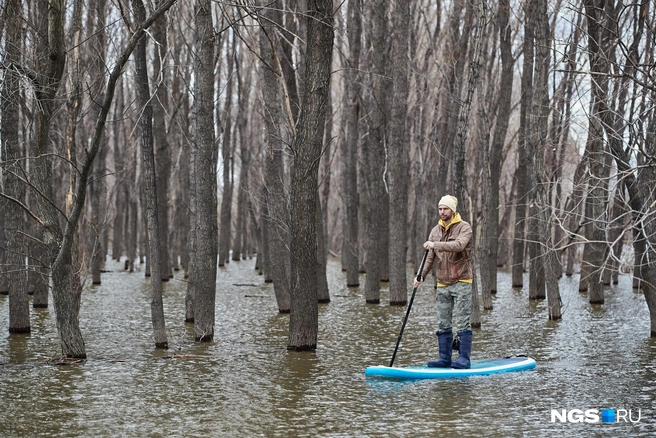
(499, 138)
(544, 258)
(373, 151)
(60, 241)
(150, 185)
(303, 323)
(97, 184)
(522, 173)
(276, 221)
(399, 157)
(225, 223)
(13, 174)
(161, 131)
(350, 146)
(204, 183)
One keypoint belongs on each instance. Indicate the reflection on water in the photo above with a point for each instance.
(247, 384)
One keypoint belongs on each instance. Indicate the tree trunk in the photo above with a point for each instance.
(97, 189)
(150, 185)
(399, 158)
(323, 294)
(193, 209)
(121, 186)
(12, 173)
(276, 222)
(541, 144)
(205, 177)
(350, 147)
(239, 249)
(4, 269)
(161, 141)
(522, 173)
(39, 272)
(484, 261)
(377, 204)
(225, 223)
(498, 141)
(303, 322)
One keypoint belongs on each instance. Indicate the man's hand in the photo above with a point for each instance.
(429, 245)
(417, 282)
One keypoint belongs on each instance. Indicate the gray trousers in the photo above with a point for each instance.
(456, 297)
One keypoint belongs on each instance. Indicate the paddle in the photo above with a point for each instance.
(407, 312)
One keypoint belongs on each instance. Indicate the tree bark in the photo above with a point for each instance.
(97, 186)
(522, 172)
(541, 144)
(399, 158)
(303, 322)
(121, 186)
(205, 163)
(13, 170)
(377, 204)
(225, 223)
(150, 185)
(239, 249)
(499, 138)
(161, 141)
(350, 147)
(276, 222)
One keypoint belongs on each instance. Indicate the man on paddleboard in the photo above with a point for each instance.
(450, 242)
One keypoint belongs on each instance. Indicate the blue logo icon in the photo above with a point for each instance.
(607, 416)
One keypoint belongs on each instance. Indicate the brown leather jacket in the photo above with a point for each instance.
(453, 246)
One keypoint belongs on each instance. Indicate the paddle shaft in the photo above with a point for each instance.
(407, 312)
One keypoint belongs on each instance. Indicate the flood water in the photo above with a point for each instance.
(247, 384)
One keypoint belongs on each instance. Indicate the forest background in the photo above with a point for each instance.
(188, 135)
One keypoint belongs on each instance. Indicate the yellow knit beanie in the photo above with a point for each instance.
(449, 201)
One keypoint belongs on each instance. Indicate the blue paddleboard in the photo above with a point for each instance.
(478, 368)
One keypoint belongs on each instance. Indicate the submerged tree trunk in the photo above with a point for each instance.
(540, 145)
(150, 186)
(399, 159)
(521, 174)
(323, 293)
(498, 141)
(206, 224)
(303, 322)
(276, 223)
(225, 223)
(121, 186)
(39, 271)
(13, 170)
(350, 148)
(377, 203)
(97, 185)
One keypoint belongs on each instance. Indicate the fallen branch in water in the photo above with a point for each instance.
(191, 356)
(62, 361)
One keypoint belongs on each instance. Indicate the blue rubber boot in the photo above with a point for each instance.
(463, 361)
(445, 341)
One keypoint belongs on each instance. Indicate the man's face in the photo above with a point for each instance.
(446, 214)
